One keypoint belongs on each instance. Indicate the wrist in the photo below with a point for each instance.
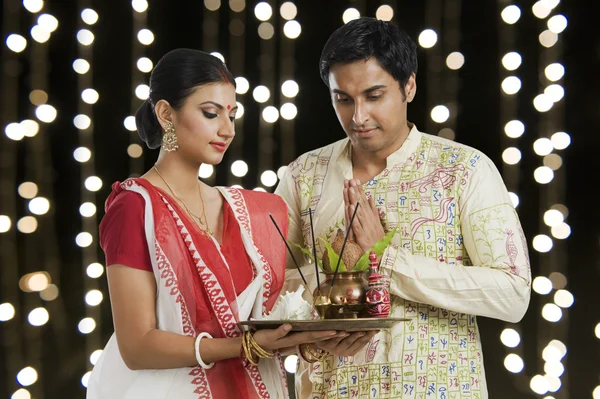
(311, 354)
(252, 351)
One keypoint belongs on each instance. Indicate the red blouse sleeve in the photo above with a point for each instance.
(122, 235)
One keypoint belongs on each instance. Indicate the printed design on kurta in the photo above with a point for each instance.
(442, 177)
(442, 217)
(512, 252)
(488, 227)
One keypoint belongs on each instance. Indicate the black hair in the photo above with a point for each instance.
(364, 38)
(174, 79)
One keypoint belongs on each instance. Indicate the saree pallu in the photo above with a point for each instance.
(195, 293)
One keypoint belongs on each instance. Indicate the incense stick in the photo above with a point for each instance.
(343, 246)
(312, 232)
(289, 250)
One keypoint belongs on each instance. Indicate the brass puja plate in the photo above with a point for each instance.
(362, 324)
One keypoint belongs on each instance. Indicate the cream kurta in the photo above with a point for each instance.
(459, 252)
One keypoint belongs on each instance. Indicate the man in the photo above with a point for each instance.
(459, 250)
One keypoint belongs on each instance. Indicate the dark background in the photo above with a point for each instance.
(61, 352)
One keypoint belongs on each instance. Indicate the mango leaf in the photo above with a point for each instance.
(379, 247)
(333, 257)
(307, 252)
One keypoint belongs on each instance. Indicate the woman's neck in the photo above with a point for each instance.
(178, 175)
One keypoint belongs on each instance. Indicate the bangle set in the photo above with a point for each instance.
(310, 354)
(252, 351)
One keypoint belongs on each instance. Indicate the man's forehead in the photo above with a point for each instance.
(358, 76)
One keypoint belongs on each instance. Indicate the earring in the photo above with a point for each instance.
(169, 139)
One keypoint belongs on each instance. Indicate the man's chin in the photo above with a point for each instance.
(367, 145)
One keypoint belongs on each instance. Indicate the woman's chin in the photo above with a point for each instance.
(212, 159)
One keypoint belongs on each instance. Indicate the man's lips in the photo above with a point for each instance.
(364, 132)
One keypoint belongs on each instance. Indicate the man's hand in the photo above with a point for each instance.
(348, 346)
(280, 338)
(366, 228)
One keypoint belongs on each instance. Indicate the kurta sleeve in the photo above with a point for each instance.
(497, 283)
(122, 235)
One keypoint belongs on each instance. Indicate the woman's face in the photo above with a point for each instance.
(205, 124)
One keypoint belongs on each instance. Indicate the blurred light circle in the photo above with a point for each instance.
(81, 66)
(27, 376)
(242, 85)
(428, 38)
(288, 111)
(384, 13)
(288, 10)
(16, 43)
(350, 14)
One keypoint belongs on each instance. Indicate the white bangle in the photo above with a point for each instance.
(197, 347)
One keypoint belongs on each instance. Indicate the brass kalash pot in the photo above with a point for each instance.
(346, 299)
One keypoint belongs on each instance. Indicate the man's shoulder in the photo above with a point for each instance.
(465, 152)
(323, 153)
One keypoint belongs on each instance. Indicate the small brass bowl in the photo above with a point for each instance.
(346, 299)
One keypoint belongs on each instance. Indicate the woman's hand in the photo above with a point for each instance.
(273, 340)
(348, 345)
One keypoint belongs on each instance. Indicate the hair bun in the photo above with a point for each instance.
(147, 125)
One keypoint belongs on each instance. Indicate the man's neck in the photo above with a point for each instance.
(368, 164)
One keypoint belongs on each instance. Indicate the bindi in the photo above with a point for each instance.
(228, 107)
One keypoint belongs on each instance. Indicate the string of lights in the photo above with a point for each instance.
(551, 178)
(40, 267)
(211, 43)
(33, 281)
(84, 154)
(10, 310)
(141, 65)
(237, 55)
(263, 93)
(428, 39)
(454, 61)
(289, 90)
(511, 156)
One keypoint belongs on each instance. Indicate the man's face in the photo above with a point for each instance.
(370, 105)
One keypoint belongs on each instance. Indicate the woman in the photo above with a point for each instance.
(187, 261)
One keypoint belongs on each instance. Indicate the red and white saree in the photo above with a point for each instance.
(195, 293)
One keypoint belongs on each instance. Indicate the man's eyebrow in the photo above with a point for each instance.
(366, 91)
(373, 88)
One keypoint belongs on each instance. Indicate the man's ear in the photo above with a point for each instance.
(410, 89)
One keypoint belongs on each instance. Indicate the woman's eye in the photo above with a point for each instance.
(209, 115)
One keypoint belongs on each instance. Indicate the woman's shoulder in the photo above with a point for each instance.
(121, 196)
(259, 202)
